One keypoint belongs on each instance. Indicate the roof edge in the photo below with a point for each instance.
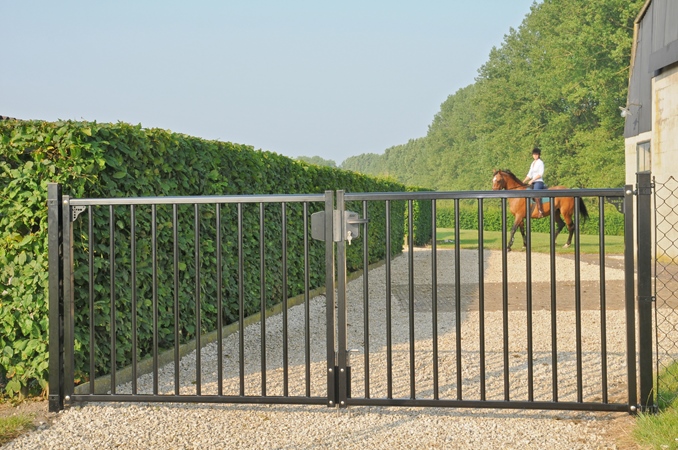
(643, 10)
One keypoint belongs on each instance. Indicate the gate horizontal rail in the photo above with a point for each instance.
(200, 200)
(471, 195)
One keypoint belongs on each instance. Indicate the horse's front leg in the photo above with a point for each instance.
(522, 233)
(513, 232)
(570, 228)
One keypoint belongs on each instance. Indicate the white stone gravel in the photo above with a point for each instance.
(192, 426)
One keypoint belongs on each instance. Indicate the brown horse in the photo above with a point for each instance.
(563, 207)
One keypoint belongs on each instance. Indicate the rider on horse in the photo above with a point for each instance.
(536, 176)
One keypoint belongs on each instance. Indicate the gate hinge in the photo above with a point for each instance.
(648, 409)
(647, 299)
(75, 212)
(618, 203)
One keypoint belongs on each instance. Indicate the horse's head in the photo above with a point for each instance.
(498, 181)
(505, 179)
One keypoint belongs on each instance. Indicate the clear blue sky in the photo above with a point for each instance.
(296, 77)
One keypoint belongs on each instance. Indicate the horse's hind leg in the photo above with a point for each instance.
(559, 224)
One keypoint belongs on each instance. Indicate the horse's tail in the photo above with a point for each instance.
(582, 209)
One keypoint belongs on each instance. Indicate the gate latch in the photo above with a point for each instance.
(352, 222)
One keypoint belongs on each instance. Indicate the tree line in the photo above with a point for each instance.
(556, 82)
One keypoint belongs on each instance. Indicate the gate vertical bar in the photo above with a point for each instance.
(457, 298)
(434, 301)
(133, 283)
(111, 268)
(341, 304)
(69, 308)
(307, 304)
(56, 297)
(329, 297)
(198, 318)
(154, 294)
(481, 297)
(90, 284)
(389, 325)
(262, 292)
(410, 311)
(366, 302)
(577, 304)
(504, 299)
(175, 261)
(644, 255)
(241, 302)
(220, 305)
(285, 332)
(554, 303)
(629, 289)
(529, 301)
(603, 300)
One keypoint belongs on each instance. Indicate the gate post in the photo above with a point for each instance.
(645, 297)
(56, 297)
(328, 237)
(342, 357)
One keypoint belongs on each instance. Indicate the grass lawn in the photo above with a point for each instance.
(13, 427)
(540, 241)
(660, 430)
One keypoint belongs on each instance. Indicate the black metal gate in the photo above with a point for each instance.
(138, 286)
(417, 330)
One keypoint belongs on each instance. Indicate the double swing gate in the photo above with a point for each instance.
(284, 299)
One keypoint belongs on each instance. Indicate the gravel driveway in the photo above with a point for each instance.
(184, 426)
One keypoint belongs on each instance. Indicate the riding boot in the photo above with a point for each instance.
(539, 207)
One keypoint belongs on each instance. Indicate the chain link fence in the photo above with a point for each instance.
(666, 289)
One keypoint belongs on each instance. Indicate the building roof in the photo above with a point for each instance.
(655, 47)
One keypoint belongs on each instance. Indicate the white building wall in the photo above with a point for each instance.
(665, 124)
(664, 158)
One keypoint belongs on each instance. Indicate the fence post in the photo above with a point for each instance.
(645, 298)
(56, 297)
(630, 298)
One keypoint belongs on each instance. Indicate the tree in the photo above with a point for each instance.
(555, 82)
(317, 160)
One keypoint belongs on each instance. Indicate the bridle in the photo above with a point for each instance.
(499, 180)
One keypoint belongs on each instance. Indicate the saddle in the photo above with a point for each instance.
(543, 199)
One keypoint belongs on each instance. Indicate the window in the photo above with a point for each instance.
(643, 157)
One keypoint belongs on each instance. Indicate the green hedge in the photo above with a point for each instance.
(422, 222)
(121, 160)
(468, 219)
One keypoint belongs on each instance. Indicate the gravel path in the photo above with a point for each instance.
(184, 426)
